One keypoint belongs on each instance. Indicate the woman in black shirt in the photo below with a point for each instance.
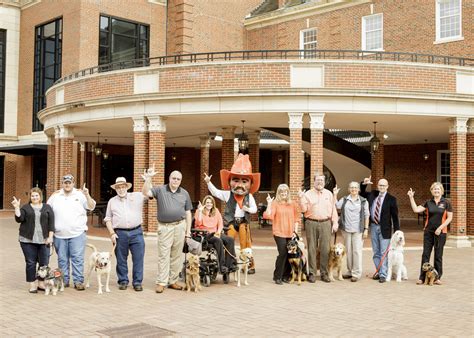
(36, 234)
(439, 214)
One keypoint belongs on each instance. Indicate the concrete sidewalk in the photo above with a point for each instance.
(342, 308)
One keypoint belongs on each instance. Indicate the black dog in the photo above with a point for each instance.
(296, 259)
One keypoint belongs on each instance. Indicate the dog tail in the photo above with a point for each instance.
(92, 247)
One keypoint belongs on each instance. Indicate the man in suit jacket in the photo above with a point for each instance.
(383, 221)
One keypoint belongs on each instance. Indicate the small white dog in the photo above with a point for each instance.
(395, 257)
(244, 259)
(101, 263)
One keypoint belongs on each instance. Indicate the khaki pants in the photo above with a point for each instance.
(170, 249)
(318, 236)
(244, 237)
(353, 242)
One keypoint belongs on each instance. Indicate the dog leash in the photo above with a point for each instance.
(381, 261)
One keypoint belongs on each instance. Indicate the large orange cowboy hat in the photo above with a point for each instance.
(243, 168)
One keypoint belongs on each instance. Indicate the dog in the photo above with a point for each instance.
(53, 279)
(297, 259)
(431, 275)
(337, 254)
(101, 263)
(395, 257)
(244, 258)
(193, 279)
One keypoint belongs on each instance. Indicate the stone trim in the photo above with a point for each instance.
(295, 120)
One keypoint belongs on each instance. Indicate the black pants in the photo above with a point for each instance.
(430, 241)
(34, 254)
(282, 266)
(219, 243)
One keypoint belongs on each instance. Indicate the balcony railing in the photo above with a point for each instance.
(274, 55)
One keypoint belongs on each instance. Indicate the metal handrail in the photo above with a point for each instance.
(274, 55)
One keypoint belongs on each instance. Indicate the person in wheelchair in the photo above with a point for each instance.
(209, 219)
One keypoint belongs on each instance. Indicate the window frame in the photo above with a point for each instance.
(3, 84)
(305, 55)
(447, 192)
(438, 38)
(364, 33)
(137, 37)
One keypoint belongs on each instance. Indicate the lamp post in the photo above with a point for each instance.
(374, 141)
(243, 140)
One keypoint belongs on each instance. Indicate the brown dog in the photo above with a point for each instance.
(431, 275)
(337, 254)
(193, 279)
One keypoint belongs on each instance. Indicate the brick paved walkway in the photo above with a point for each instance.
(365, 308)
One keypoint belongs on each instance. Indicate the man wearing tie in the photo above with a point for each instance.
(383, 221)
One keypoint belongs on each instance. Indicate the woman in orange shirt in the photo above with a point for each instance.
(209, 218)
(285, 218)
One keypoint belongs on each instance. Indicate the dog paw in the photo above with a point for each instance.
(238, 285)
(340, 278)
(399, 280)
(99, 292)
(246, 283)
(107, 290)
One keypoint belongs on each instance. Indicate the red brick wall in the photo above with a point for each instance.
(140, 163)
(156, 156)
(203, 169)
(405, 169)
(457, 146)
(407, 28)
(296, 161)
(316, 151)
(470, 183)
(9, 178)
(378, 163)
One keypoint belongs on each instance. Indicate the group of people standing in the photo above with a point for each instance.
(62, 221)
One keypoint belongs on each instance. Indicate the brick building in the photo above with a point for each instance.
(106, 88)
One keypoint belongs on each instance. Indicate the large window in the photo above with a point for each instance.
(372, 32)
(122, 40)
(48, 60)
(443, 171)
(308, 42)
(448, 19)
(3, 49)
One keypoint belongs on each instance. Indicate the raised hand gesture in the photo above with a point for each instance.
(301, 193)
(16, 203)
(200, 206)
(207, 178)
(84, 190)
(336, 190)
(411, 193)
(367, 180)
(150, 172)
(269, 199)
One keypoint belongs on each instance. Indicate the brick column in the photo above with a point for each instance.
(317, 128)
(204, 165)
(57, 143)
(254, 150)
(156, 156)
(9, 182)
(457, 147)
(64, 152)
(296, 153)
(96, 164)
(378, 163)
(228, 153)
(140, 161)
(81, 163)
(470, 180)
(50, 167)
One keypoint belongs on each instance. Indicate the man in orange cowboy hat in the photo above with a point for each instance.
(239, 183)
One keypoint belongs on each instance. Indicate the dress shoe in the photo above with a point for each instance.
(122, 286)
(286, 279)
(312, 278)
(33, 291)
(376, 276)
(251, 271)
(346, 276)
(224, 270)
(325, 279)
(354, 279)
(278, 281)
(382, 280)
(159, 288)
(175, 286)
(138, 287)
(79, 287)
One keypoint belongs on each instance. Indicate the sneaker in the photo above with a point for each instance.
(79, 287)
(159, 288)
(123, 286)
(138, 287)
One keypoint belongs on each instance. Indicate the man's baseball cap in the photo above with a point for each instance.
(68, 178)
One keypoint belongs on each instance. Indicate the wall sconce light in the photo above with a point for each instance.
(243, 140)
(173, 154)
(105, 153)
(98, 148)
(426, 155)
(280, 158)
(374, 141)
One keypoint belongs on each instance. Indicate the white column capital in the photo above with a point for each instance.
(458, 125)
(254, 137)
(228, 132)
(295, 120)
(316, 121)
(470, 126)
(156, 123)
(61, 131)
(139, 124)
(82, 146)
(205, 141)
(51, 139)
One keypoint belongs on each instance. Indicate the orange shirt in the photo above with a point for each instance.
(283, 216)
(210, 223)
(319, 205)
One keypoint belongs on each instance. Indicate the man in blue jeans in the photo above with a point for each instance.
(123, 219)
(70, 207)
(383, 222)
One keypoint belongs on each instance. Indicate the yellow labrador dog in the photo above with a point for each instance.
(101, 263)
(244, 259)
(193, 280)
(337, 254)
